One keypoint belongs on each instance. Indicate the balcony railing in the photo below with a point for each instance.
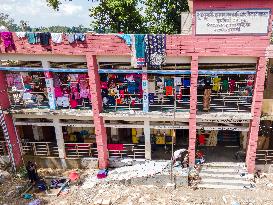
(3, 148)
(80, 150)
(129, 151)
(46, 149)
(264, 156)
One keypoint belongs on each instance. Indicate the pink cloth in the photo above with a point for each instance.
(232, 84)
(104, 85)
(58, 92)
(115, 147)
(84, 93)
(8, 40)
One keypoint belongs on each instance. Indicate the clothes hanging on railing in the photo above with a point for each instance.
(115, 147)
(138, 50)
(127, 38)
(8, 40)
(33, 38)
(44, 38)
(57, 37)
(73, 37)
(155, 50)
(21, 34)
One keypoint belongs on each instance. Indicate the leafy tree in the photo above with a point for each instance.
(136, 16)
(8, 22)
(61, 29)
(164, 16)
(55, 4)
(117, 16)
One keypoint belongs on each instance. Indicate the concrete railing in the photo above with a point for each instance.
(3, 148)
(48, 149)
(80, 150)
(264, 156)
(134, 151)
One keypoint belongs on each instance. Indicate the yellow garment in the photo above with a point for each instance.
(212, 141)
(72, 138)
(216, 84)
(112, 91)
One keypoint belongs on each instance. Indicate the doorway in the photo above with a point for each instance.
(221, 146)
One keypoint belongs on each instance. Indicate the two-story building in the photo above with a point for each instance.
(101, 96)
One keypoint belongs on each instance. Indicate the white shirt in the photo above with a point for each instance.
(178, 153)
(57, 37)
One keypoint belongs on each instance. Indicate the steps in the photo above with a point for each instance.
(224, 176)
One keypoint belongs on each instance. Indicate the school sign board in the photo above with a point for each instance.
(232, 22)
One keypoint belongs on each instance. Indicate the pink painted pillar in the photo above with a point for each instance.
(9, 131)
(193, 110)
(100, 130)
(256, 110)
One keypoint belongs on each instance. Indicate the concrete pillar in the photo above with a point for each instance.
(193, 110)
(49, 86)
(59, 138)
(38, 133)
(96, 99)
(256, 110)
(145, 91)
(147, 135)
(7, 124)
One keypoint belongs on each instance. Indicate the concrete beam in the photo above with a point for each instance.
(147, 135)
(50, 58)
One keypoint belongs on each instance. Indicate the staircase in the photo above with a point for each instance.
(224, 175)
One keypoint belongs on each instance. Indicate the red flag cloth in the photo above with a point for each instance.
(115, 146)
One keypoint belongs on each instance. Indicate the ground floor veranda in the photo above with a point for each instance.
(134, 137)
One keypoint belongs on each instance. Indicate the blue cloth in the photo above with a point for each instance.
(186, 83)
(79, 36)
(151, 97)
(131, 88)
(155, 50)
(35, 202)
(111, 100)
(33, 38)
(140, 45)
(126, 38)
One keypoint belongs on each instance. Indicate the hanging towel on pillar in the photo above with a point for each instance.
(155, 50)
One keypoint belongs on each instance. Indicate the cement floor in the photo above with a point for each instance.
(220, 153)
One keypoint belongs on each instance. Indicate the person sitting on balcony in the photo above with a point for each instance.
(32, 172)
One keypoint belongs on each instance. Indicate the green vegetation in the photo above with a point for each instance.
(135, 16)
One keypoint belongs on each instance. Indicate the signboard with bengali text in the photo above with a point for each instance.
(232, 22)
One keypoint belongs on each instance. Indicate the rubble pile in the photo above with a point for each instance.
(149, 168)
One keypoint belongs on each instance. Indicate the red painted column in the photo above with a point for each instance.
(13, 143)
(193, 110)
(100, 130)
(256, 110)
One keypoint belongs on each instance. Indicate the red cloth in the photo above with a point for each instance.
(169, 90)
(201, 139)
(73, 176)
(115, 147)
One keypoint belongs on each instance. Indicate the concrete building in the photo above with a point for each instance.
(221, 66)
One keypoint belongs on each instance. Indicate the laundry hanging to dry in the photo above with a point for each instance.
(155, 50)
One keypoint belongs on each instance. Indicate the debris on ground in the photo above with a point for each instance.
(110, 191)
